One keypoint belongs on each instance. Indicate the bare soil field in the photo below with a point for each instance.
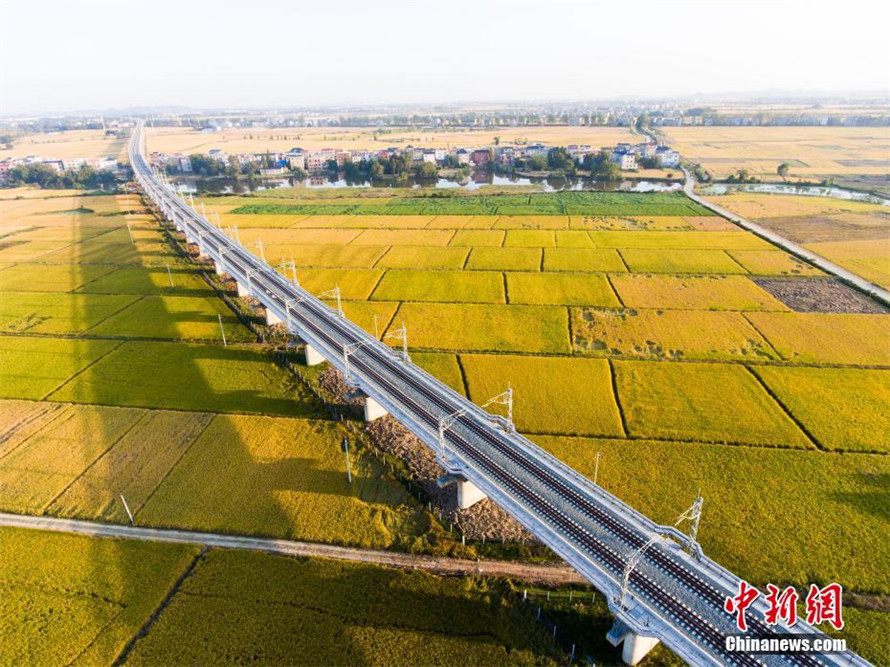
(819, 295)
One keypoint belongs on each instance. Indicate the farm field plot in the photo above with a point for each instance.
(529, 238)
(208, 377)
(679, 240)
(419, 257)
(583, 259)
(531, 223)
(353, 283)
(706, 402)
(364, 314)
(326, 255)
(283, 478)
(400, 237)
(32, 367)
(667, 334)
(299, 236)
(811, 151)
(68, 144)
(673, 261)
(504, 259)
(411, 618)
(72, 599)
(772, 263)
(560, 289)
(693, 292)
(788, 546)
(551, 394)
(133, 464)
(42, 278)
(443, 367)
(867, 258)
(39, 468)
(483, 328)
(442, 286)
(843, 408)
(474, 238)
(573, 239)
(833, 338)
(49, 313)
(174, 317)
(140, 280)
(467, 222)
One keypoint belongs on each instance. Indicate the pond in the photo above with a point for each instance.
(806, 190)
(225, 185)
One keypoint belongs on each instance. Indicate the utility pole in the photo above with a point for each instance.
(169, 275)
(346, 451)
(596, 467)
(127, 507)
(222, 330)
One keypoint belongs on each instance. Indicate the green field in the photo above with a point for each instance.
(190, 377)
(550, 394)
(667, 334)
(58, 313)
(69, 599)
(481, 328)
(345, 615)
(702, 402)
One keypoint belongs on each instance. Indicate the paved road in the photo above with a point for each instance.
(544, 574)
(871, 289)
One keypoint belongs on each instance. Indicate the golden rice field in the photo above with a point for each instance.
(69, 144)
(187, 140)
(811, 151)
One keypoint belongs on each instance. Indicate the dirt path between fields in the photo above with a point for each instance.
(537, 574)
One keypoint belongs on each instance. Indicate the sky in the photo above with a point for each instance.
(71, 55)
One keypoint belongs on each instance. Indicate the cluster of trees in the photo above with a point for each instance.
(741, 176)
(558, 160)
(44, 176)
(397, 166)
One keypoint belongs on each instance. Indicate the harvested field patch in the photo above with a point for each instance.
(550, 394)
(353, 283)
(75, 599)
(773, 263)
(827, 337)
(473, 327)
(175, 318)
(418, 257)
(208, 378)
(505, 259)
(702, 402)
(287, 476)
(54, 313)
(441, 286)
(525, 238)
(819, 295)
(667, 334)
(32, 367)
(560, 289)
(478, 237)
(630, 223)
(583, 259)
(788, 546)
(844, 408)
(693, 292)
(657, 260)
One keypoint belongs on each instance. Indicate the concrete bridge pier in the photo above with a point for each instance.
(313, 356)
(635, 647)
(373, 410)
(242, 290)
(272, 319)
(468, 494)
(218, 268)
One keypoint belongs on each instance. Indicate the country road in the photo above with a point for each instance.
(539, 574)
(871, 289)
